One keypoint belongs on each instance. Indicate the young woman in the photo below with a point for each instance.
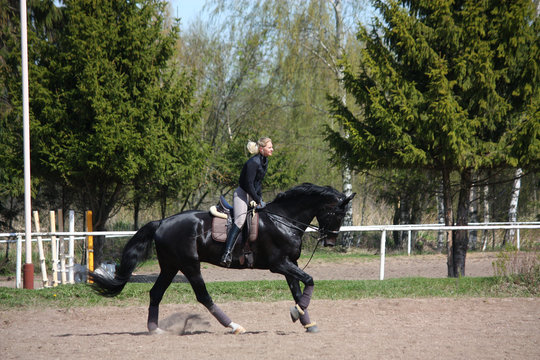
(249, 189)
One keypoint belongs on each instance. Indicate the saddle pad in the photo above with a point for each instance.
(219, 228)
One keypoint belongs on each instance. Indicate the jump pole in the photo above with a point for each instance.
(90, 242)
(28, 268)
(19, 261)
(71, 247)
(41, 252)
(61, 247)
(54, 249)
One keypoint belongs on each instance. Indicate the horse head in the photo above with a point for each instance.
(330, 219)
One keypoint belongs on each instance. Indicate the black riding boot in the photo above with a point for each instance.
(226, 259)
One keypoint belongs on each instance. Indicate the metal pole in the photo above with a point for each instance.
(28, 269)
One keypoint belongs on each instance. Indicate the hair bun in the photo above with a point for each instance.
(252, 147)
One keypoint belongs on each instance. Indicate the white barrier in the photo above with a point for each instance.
(81, 235)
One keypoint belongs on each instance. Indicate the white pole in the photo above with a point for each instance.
(28, 267)
(71, 248)
(54, 249)
(383, 254)
(518, 240)
(61, 247)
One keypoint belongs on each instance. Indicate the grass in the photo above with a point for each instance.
(135, 294)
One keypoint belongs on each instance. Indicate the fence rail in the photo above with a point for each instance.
(82, 235)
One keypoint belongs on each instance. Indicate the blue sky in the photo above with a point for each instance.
(187, 10)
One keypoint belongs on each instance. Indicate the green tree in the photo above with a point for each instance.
(43, 15)
(449, 86)
(266, 67)
(114, 115)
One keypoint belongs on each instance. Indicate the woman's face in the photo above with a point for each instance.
(267, 149)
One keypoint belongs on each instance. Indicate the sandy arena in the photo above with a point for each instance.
(485, 328)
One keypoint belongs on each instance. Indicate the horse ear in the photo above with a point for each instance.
(346, 200)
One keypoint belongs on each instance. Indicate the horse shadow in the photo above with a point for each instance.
(176, 324)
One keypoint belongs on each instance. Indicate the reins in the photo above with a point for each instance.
(314, 227)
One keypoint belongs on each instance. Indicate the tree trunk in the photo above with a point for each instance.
(404, 218)
(440, 216)
(395, 221)
(473, 214)
(347, 238)
(512, 211)
(456, 267)
(136, 211)
(485, 233)
(448, 220)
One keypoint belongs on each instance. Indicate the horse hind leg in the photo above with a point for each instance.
(156, 294)
(193, 274)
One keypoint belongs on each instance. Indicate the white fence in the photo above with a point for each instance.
(73, 235)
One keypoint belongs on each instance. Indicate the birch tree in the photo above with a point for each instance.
(513, 208)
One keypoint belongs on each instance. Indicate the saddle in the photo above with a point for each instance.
(223, 217)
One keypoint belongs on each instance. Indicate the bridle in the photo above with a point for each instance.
(323, 233)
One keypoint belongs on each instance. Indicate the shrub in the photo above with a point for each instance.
(518, 268)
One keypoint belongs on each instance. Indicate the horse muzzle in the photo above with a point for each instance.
(329, 241)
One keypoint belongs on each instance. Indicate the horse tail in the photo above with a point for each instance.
(136, 250)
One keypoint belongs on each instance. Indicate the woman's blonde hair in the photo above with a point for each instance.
(253, 147)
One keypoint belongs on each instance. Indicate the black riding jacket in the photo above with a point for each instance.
(252, 176)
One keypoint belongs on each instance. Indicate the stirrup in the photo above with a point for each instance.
(226, 259)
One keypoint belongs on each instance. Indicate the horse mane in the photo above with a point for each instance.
(307, 189)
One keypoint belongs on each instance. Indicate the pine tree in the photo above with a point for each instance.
(111, 113)
(449, 86)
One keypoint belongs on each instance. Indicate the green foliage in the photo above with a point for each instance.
(42, 16)
(110, 111)
(443, 86)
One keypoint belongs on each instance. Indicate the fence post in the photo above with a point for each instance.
(383, 254)
(409, 239)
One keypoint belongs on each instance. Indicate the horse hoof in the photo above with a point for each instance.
(239, 330)
(157, 331)
(296, 311)
(312, 329)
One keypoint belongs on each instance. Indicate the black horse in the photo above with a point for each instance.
(184, 240)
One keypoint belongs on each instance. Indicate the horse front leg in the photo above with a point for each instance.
(294, 275)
